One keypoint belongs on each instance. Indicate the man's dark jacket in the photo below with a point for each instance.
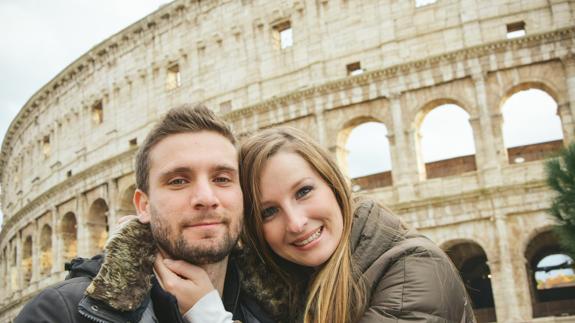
(68, 301)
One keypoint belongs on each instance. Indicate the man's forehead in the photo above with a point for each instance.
(179, 150)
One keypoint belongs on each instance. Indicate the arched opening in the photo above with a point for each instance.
(368, 156)
(97, 224)
(531, 127)
(446, 142)
(46, 255)
(551, 277)
(27, 259)
(471, 261)
(69, 234)
(126, 204)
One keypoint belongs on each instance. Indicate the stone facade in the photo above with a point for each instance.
(66, 164)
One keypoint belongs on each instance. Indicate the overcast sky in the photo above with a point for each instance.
(40, 38)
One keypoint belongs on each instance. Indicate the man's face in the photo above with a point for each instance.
(194, 201)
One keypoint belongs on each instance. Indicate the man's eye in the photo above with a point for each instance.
(268, 212)
(302, 192)
(177, 181)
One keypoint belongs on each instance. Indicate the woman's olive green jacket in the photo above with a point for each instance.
(408, 278)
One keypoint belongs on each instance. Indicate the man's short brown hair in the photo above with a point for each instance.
(182, 119)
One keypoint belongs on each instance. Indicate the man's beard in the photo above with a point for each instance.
(194, 252)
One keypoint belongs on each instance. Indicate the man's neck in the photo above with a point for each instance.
(217, 274)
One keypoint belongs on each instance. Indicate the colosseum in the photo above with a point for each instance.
(329, 67)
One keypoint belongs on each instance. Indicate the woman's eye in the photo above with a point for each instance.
(222, 180)
(302, 192)
(177, 181)
(268, 212)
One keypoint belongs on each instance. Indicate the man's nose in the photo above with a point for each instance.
(296, 220)
(204, 196)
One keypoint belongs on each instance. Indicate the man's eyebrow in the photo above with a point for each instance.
(175, 171)
(225, 168)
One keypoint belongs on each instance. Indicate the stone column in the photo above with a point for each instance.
(83, 233)
(510, 303)
(35, 252)
(569, 106)
(56, 257)
(487, 159)
(113, 197)
(404, 155)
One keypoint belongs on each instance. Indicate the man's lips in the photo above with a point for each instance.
(206, 224)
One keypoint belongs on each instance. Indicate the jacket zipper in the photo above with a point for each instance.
(91, 317)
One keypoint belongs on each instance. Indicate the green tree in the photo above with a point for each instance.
(561, 178)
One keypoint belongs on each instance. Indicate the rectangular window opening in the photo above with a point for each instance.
(354, 69)
(46, 146)
(133, 142)
(226, 106)
(174, 77)
(283, 35)
(69, 173)
(421, 3)
(516, 29)
(98, 113)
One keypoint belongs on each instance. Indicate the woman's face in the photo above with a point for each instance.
(302, 221)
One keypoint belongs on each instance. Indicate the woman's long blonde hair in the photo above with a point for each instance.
(335, 293)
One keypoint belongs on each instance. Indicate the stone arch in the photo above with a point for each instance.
(126, 202)
(434, 162)
(551, 285)
(531, 133)
(379, 156)
(46, 254)
(97, 226)
(69, 236)
(471, 261)
(27, 259)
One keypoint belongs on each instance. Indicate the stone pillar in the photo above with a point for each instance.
(113, 197)
(35, 253)
(83, 233)
(487, 159)
(508, 293)
(17, 277)
(404, 155)
(56, 257)
(569, 106)
(564, 113)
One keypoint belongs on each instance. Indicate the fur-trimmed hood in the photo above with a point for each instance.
(125, 277)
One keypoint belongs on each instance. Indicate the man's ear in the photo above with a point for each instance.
(141, 202)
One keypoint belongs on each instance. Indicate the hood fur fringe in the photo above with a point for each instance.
(125, 277)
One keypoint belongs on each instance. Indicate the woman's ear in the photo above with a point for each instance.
(141, 202)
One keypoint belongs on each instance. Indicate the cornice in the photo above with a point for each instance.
(478, 193)
(402, 69)
(66, 185)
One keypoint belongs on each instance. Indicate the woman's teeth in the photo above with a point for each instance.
(310, 238)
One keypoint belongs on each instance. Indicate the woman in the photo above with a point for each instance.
(340, 261)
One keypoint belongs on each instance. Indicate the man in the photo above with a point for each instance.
(188, 190)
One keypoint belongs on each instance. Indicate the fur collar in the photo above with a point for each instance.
(124, 279)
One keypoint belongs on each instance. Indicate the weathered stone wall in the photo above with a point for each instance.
(226, 54)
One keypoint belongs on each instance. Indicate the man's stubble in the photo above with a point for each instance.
(195, 252)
